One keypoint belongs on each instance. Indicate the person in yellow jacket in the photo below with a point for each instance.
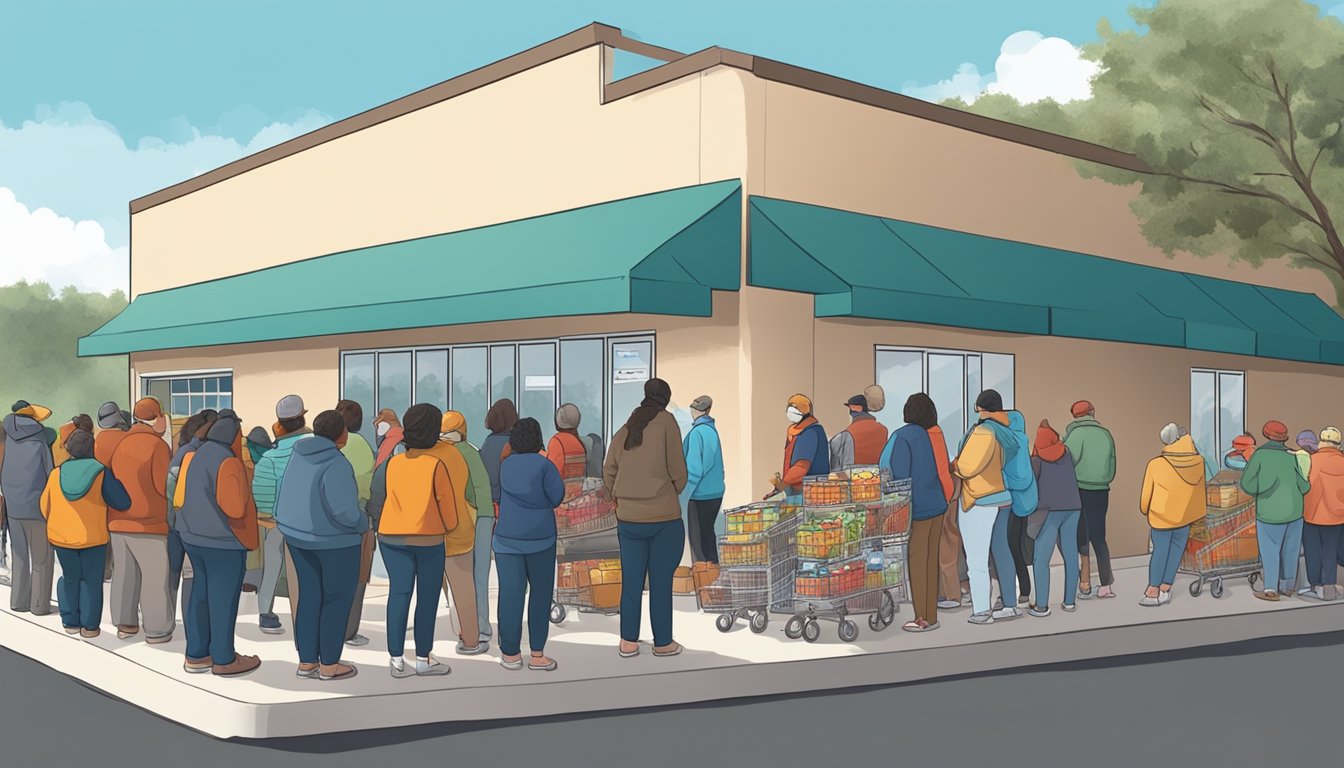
(460, 543)
(1172, 499)
(75, 504)
(979, 464)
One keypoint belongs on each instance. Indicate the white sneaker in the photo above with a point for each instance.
(981, 618)
(1163, 597)
(1314, 593)
(431, 667)
(1007, 614)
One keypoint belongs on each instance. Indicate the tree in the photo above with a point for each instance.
(38, 359)
(1237, 107)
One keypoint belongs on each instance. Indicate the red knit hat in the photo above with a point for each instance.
(1276, 431)
(1048, 446)
(1081, 409)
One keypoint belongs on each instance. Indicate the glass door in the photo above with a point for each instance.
(631, 364)
(536, 377)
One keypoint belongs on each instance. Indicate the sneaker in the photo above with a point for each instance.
(89, 634)
(1007, 614)
(125, 633)
(480, 647)
(400, 669)
(1268, 595)
(981, 618)
(358, 641)
(1069, 608)
(197, 666)
(308, 673)
(1151, 602)
(1163, 597)
(1085, 594)
(513, 665)
(71, 630)
(242, 664)
(168, 638)
(270, 624)
(1312, 593)
(431, 667)
(1039, 611)
(948, 605)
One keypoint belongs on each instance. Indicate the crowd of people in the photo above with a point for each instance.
(218, 514)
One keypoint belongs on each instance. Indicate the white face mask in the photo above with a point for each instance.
(451, 437)
(794, 415)
(383, 427)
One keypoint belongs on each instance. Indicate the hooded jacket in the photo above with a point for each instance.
(76, 501)
(318, 506)
(218, 511)
(1057, 484)
(704, 460)
(1324, 503)
(271, 470)
(1093, 451)
(913, 458)
(492, 453)
(1273, 478)
(413, 496)
(1173, 487)
(478, 495)
(461, 539)
(27, 465)
(359, 453)
(530, 490)
(141, 463)
(105, 444)
(980, 465)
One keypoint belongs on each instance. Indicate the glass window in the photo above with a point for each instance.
(1231, 405)
(181, 406)
(947, 380)
(225, 401)
(900, 373)
(1204, 416)
(501, 374)
(212, 402)
(394, 381)
(357, 385)
(196, 385)
(581, 381)
(631, 366)
(469, 391)
(179, 386)
(973, 379)
(536, 373)
(225, 383)
(212, 384)
(998, 376)
(431, 377)
(197, 403)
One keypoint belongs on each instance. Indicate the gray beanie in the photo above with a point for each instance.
(567, 417)
(1172, 432)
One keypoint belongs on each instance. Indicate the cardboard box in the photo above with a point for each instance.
(607, 595)
(683, 585)
(704, 574)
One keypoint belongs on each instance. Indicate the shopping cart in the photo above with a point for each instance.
(1235, 553)
(867, 576)
(588, 513)
(757, 569)
(575, 559)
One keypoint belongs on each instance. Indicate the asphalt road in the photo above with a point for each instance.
(1259, 703)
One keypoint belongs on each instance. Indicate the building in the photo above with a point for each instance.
(547, 229)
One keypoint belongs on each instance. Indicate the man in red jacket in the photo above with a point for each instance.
(140, 584)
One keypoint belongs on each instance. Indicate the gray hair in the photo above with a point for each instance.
(1172, 432)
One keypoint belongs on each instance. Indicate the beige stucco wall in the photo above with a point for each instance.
(1136, 390)
(828, 151)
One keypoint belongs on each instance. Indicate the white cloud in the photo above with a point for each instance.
(1030, 68)
(39, 245)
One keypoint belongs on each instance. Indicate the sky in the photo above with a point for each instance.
(104, 102)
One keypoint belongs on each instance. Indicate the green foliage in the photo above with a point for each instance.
(1237, 106)
(38, 361)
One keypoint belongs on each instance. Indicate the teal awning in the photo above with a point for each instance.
(866, 266)
(660, 253)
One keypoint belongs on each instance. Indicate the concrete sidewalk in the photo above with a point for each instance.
(272, 702)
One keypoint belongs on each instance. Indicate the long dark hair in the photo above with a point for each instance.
(657, 394)
(919, 409)
(502, 416)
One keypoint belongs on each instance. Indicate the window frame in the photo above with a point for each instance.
(201, 374)
(966, 355)
(1223, 441)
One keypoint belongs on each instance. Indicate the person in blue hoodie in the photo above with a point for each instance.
(524, 543)
(911, 458)
(704, 484)
(189, 439)
(318, 512)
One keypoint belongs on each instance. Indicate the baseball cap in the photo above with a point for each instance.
(148, 409)
(858, 400)
(25, 408)
(702, 403)
(109, 415)
(289, 407)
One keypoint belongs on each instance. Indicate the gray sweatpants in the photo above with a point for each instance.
(140, 583)
(273, 559)
(31, 567)
(485, 531)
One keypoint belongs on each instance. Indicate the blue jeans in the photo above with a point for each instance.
(520, 575)
(418, 569)
(1168, 546)
(1002, 551)
(1060, 528)
(653, 550)
(327, 579)
(80, 590)
(1280, 544)
(1321, 544)
(485, 534)
(212, 613)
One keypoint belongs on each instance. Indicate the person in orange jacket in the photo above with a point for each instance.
(806, 450)
(1324, 515)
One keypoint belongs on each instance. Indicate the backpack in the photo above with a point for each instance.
(1018, 479)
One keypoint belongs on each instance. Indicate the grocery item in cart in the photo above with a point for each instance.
(865, 483)
(589, 512)
(832, 490)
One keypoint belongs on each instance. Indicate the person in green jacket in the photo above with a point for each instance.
(1273, 478)
(479, 497)
(360, 455)
(1093, 452)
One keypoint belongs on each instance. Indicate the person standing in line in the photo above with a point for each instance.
(912, 458)
(645, 474)
(531, 489)
(58, 451)
(483, 507)
(500, 420)
(1323, 513)
(76, 503)
(1243, 448)
(112, 427)
(414, 502)
(218, 524)
(139, 534)
(359, 453)
(1173, 498)
(704, 483)
(191, 437)
(23, 477)
(1008, 543)
(388, 433)
(861, 442)
(291, 427)
(1273, 478)
(318, 512)
(806, 451)
(259, 442)
(979, 465)
(566, 449)
(459, 545)
(1093, 451)
(1060, 499)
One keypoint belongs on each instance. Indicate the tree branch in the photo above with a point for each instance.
(1318, 262)
(1255, 192)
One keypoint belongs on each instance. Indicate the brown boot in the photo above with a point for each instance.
(241, 666)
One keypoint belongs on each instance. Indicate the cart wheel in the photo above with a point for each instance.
(875, 623)
(1196, 587)
(759, 621)
(849, 631)
(1254, 578)
(1216, 588)
(887, 615)
(558, 613)
(811, 632)
(793, 629)
(725, 621)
